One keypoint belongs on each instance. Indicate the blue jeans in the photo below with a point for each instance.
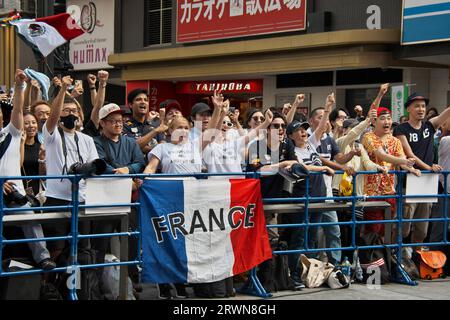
(332, 236)
(33, 231)
(295, 237)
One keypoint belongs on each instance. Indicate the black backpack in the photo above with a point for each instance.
(24, 287)
(274, 273)
(371, 258)
(89, 282)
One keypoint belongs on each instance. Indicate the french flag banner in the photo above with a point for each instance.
(45, 34)
(200, 231)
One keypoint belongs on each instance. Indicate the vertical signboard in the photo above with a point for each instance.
(425, 21)
(398, 97)
(200, 20)
(96, 17)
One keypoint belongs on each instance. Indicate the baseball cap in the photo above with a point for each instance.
(350, 123)
(170, 104)
(199, 107)
(295, 125)
(106, 110)
(415, 96)
(383, 110)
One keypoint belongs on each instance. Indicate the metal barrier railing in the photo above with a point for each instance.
(255, 286)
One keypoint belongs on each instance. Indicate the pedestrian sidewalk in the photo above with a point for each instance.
(426, 290)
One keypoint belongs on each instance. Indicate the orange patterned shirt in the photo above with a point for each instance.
(380, 184)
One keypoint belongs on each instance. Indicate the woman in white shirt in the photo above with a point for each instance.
(180, 155)
(227, 153)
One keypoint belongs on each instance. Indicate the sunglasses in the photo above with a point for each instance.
(278, 125)
(256, 118)
(228, 123)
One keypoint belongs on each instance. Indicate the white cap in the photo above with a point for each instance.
(108, 109)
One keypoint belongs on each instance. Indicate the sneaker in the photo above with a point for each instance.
(47, 264)
(298, 284)
(180, 290)
(165, 291)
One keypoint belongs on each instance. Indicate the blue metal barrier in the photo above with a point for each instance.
(254, 286)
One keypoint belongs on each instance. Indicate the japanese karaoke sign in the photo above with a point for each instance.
(200, 20)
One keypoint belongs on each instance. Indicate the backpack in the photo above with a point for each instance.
(89, 282)
(218, 289)
(430, 264)
(24, 287)
(374, 258)
(274, 273)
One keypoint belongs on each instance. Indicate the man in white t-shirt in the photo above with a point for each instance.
(10, 166)
(65, 147)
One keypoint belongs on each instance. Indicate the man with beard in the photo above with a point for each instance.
(64, 147)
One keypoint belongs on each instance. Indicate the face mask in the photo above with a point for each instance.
(69, 121)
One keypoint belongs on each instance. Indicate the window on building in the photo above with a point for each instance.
(307, 79)
(158, 22)
(365, 76)
(364, 97)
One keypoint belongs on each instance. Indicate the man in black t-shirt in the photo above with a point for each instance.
(417, 137)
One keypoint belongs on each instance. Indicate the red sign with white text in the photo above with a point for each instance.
(200, 20)
(208, 87)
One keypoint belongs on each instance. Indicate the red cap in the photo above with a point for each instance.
(383, 110)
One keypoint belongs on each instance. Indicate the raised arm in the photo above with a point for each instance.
(145, 139)
(234, 117)
(57, 105)
(299, 98)
(383, 90)
(18, 100)
(100, 97)
(92, 79)
(221, 108)
(322, 127)
(254, 133)
(440, 119)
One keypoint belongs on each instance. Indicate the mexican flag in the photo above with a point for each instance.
(46, 34)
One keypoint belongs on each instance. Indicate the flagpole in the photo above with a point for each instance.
(44, 60)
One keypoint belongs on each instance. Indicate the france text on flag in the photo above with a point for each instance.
(199, 231)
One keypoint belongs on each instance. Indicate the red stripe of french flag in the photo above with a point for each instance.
(250, 245)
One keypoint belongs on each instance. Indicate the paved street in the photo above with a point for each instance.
(426, 290)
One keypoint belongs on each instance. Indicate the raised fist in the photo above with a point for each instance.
(103, 75)
(66, 81)
(20, 77)
(91, 79)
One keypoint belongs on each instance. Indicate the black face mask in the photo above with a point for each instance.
(69, 121)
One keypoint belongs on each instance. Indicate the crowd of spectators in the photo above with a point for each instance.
(46, 137)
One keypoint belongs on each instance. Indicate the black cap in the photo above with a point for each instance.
(350, 123)
(295, 125)
(415, 96)
(199, 107)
